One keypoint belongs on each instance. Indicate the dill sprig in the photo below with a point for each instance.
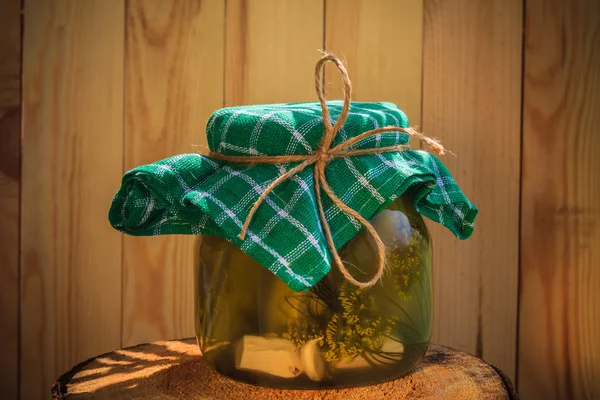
(406, 262)
(348, 320)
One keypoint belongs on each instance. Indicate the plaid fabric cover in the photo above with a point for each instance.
(194, 194)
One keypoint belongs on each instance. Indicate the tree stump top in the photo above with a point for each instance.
(176, 370)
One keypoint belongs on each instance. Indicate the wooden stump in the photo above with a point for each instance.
(176, 370)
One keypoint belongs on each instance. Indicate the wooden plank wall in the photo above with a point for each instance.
(559, 344)
(271, 48)
(173, 82)
(72, 161)
(472, 101)
(111, 84)
(385, 61)
(10, 164)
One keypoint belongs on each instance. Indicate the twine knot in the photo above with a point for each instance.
(321, 157)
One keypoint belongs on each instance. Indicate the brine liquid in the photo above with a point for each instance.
(253, 328)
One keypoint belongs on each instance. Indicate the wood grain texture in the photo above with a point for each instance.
(174, 81)
(10, 165)
(72, 162)
(381, 42)
(471, 101)
(176, 370)
(271, 50)
(559, 344)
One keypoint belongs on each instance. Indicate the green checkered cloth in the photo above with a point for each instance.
(194, 194)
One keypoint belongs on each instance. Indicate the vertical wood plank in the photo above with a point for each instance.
(382, 43)
(72, 162)
(559, 343)
(10, 165)
(471, 101)
(271, 50)
(174, 81)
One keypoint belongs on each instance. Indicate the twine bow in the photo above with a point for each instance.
(321, 157)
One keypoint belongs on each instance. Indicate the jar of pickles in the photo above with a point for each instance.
(252, 327)
(290, 290)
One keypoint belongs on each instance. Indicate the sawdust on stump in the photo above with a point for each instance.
(176, 370)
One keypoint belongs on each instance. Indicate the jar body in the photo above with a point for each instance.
(252, 327)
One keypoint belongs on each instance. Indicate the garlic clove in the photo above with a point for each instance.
(312, 360)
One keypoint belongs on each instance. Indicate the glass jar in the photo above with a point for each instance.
(253, 328)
